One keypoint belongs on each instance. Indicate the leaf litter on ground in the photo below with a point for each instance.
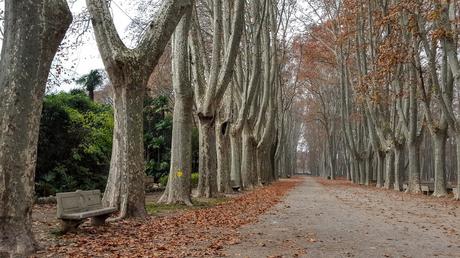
(188, 233)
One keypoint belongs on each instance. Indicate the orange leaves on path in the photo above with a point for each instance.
(389, 193)
(203, 232)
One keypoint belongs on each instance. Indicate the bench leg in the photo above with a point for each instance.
(70, 225)
(99, 220)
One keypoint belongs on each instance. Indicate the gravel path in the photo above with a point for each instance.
(343, 220)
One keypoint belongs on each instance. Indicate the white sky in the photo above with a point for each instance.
(86, 57)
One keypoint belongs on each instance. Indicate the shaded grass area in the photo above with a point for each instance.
(156, 209)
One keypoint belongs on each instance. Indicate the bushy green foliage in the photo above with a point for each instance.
(74, 145)
(194, 180)
(157, 136)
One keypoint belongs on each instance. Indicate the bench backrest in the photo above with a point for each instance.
(79, 201)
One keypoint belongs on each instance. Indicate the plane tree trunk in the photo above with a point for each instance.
(129, 70)
(209, 90)
(178, 189)
(33, 32)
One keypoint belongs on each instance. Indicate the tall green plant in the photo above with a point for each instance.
(74, 145)
(91, 81)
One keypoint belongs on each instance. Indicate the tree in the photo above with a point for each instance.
(178, 189)
(33, 32)
(211, 80)
(129, 71)
(449, 32)
(91, 81)
(398, 68)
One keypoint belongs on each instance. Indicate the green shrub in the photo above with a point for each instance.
(75, 144)
(194, 180)
(157, 136)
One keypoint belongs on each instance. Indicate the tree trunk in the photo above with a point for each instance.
(91, 94)
(129, 70)
(33, 32)
(248, 160)
(369, 167)
(389, 170)
(414, 167)
(125, 184)
(223, 158)
(380, 168)
(235, 144)
(440, 138)
(355, 174)
(399, 164)
(178, 189)
(207, 182)
(362, 169)
(331, 157)
(457, 139)
(264, 166)
(274, 173)
(352, 170)
(347, 162)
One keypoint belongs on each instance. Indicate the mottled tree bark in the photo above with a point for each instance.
(209, 90)
(125, 185)
(414, 167)
(207, 181)
(439, 139)
(248, 160)
(129, 70)
(368, 170)
(178, 189)
(380, 168)
(457, 141)
(399, 166)
(236, 148)
(33, 32)
(389, 169)
(413, 141)
(223, 157)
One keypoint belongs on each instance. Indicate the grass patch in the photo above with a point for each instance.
(198, 203)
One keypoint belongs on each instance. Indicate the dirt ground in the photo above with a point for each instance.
(46, 226)
(170, 231)
(337, 219)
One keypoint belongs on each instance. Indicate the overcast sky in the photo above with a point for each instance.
(86, 57)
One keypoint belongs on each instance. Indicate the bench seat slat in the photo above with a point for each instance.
(88, 214)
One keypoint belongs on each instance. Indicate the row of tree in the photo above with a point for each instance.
(230, 72)
(382, 81)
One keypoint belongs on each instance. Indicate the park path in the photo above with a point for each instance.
(343, 220)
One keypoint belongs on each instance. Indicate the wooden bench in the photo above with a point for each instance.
(74, 207)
